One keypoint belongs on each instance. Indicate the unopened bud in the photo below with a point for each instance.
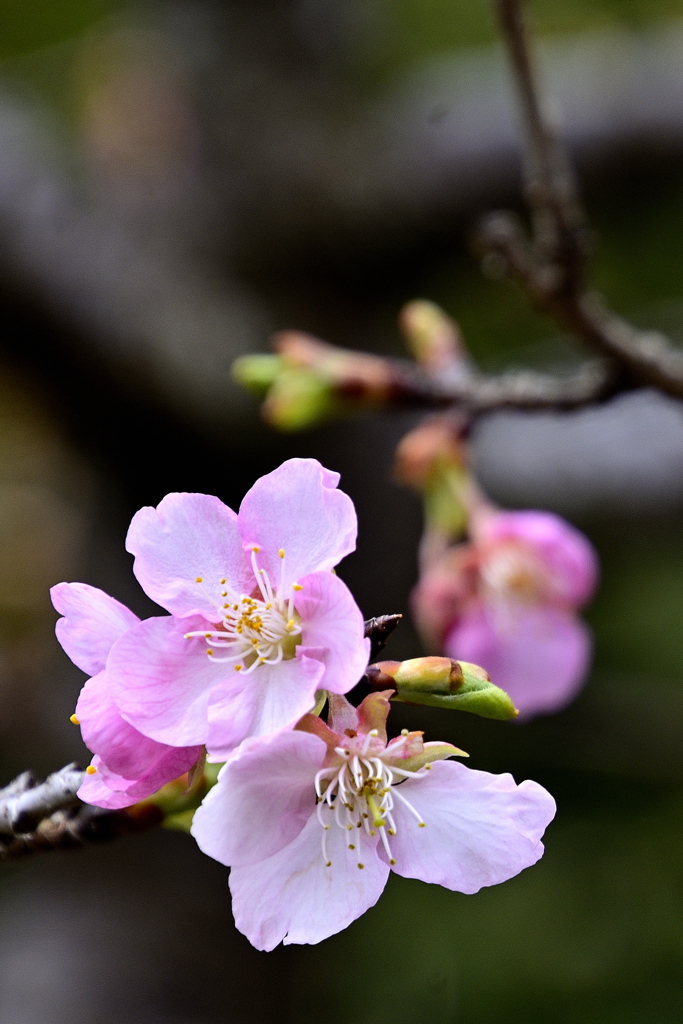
(299, 398)
(257, 373)
(433, 338)
(443, 683)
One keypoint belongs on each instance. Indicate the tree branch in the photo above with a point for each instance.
(39, 818)
(549, 266)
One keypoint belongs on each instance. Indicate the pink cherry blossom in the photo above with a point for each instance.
(508, 599)
(312, 821)
(128, 766)
(258, 620)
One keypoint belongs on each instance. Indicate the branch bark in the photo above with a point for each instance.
(47, 817)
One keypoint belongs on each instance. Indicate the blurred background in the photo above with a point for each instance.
(178, 180)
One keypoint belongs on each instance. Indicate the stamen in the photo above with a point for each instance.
(74, 720)
(90, 770)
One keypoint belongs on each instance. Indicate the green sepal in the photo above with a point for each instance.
(434, 751)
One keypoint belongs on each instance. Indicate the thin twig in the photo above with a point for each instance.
(549, 266)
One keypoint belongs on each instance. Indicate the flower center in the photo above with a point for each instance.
(513, 572)
(262, 628)
(359, 796)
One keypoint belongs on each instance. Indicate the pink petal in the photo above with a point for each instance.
(540, 656)
(107, 789)
(186, 537)
(332, 622)
(124, 750)
(298, 508)
(270, 699)
(481, 829)
(293, 897)
(342, 715)
(92, 622)
(264, 796)
(161, 682)
(568, 555)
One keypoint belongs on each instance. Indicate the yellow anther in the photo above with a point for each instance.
(405, 732)
(423, 824)
(327, 827)
(361, 866)
(207, 636)
(74, 720)
(329, 864)
(427, 767)
(90, 770)
(350, 827)
(255, 549)
(374, 732)
(290, 625)
(297, 586)
(187, 636)
(224, 593)
(392, 861)
(223, 581)
(199, 580)
(392, 831)
(268, 606)
(238, 668)
(209, 652)
(261, 660)
(351, 846)
(281, 552)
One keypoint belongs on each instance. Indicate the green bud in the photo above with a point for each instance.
(298, 399)
(257, 373)
(443, 683)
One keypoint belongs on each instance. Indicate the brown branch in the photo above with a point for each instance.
(39, 818)
(371, 381)
(549, 266)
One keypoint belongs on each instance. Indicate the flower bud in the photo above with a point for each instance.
(257, 373)
(298, 399)
(443, 683)
(433, 338)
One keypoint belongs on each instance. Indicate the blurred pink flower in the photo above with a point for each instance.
(258, 620)
(508, 599)
(312, 821)
(128, 766)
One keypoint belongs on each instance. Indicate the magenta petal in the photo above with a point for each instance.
(185, 538)
(540, 656)
(264, 796)
(293, 897)
(92, 622)
(480, 829)
(567, 554)
(107, 789)
(297, 508)
(161, 682)
(270, 699)
(332, 622)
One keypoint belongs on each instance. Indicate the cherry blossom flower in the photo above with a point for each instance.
(508, 601)
(311, 822)
(127, 765)
(258, 620)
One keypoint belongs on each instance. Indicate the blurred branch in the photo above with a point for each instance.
(550, 264)
(369, 381)
(39, 818)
